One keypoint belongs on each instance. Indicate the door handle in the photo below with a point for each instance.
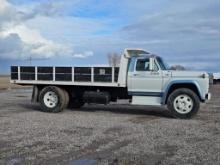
(136, 74)
(154, 73)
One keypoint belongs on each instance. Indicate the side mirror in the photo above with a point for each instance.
(152, 65)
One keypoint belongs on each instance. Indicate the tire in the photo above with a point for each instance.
(67, 98)
(76, 103)
(214, 81)
(183, 103)
(52, 99)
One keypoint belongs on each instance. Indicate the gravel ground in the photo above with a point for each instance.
(113, 134)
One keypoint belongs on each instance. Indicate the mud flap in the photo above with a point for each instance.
(35, 94)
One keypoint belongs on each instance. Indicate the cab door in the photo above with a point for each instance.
(145, 78)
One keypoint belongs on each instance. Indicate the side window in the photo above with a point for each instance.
(143, 65)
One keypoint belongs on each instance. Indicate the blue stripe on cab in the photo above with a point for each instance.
(153, 94)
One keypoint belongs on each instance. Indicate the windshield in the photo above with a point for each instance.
(163, 65)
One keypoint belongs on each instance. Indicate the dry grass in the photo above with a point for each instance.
(5, 83)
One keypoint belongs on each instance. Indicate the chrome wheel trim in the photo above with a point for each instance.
(51, 99)
(183, 104)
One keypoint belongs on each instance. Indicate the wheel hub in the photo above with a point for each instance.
(50, 99)
(183, 104)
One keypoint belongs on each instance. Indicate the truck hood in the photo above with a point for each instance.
(194, 74)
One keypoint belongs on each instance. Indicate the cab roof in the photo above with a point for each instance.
(138, 52)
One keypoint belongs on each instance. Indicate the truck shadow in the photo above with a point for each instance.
(118, 109)
(130, 110)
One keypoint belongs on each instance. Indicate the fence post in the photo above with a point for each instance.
(92, 74)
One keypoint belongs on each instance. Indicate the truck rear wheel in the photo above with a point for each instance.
(52, 99)
(67, 98)
(183, 103)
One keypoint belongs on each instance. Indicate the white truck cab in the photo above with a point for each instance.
(142, 77)
(151, 82)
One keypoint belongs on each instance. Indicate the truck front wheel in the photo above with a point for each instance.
(52, 99)
(183, 103)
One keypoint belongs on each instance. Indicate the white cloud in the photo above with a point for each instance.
(84, 55)
(16, 14)
(179, 31)
(34, 44)
(18, 41)
(11, 46)
(27, 35)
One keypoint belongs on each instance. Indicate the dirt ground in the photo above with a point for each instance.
(113, 134)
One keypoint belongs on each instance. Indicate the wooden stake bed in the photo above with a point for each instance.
(94, 76)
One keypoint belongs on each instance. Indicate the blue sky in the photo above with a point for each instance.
(76, 32)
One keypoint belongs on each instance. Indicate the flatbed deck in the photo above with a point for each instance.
(79, 76)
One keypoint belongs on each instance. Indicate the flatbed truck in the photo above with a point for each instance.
(142, 78)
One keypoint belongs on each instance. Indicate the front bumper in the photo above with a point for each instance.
(208, 96)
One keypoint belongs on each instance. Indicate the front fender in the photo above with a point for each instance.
(176, 82)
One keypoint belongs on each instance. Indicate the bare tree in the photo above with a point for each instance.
(177, 67)
(114, 59)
